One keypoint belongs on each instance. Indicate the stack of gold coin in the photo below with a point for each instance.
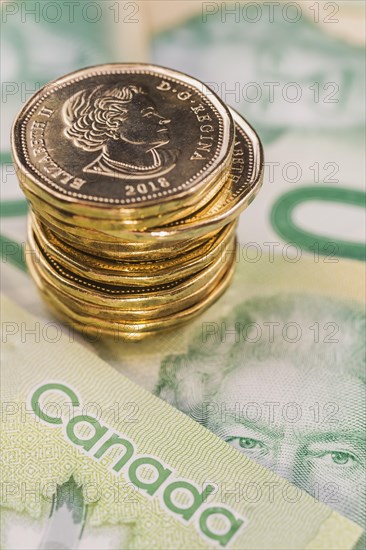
(136, 175)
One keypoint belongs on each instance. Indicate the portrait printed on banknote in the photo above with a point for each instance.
(282, 379)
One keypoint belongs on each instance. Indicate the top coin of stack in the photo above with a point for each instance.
(136, 175)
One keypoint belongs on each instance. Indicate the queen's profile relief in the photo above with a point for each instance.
(124, 125)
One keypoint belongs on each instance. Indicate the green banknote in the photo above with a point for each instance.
(296, 72)
(275, 368)
(91, 460)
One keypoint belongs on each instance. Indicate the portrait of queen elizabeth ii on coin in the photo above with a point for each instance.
(123, 124)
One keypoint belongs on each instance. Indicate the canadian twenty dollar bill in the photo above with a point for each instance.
(80, 473)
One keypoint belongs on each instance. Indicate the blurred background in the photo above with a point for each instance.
(295, 70)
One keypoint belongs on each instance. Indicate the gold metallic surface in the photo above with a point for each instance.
(118, 296)
(121, 140)
(121, 272)
(136, 176)
(132, 330)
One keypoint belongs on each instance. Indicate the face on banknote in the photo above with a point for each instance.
(93, 459)
(282, 379)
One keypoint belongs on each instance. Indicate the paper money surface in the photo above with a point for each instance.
(275, 368)
(92, 459)
(298, 77)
